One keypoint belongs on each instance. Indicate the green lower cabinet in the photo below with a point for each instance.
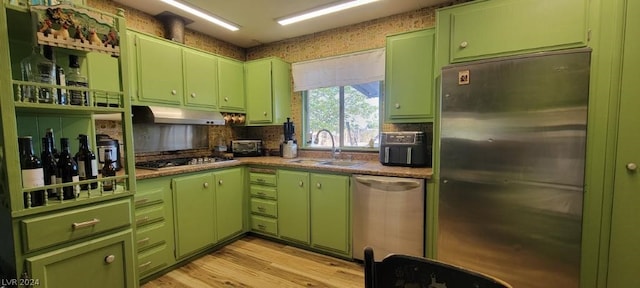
(103, 262)
(230, 191)
(193, 200)
(154, 225)
(330, 217)
(293, 205)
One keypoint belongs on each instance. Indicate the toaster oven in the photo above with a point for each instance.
(246, 148)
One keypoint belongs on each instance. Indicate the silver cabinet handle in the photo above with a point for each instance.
(397, 105)
(319, 185)
(264, 113)
(144, 264)
(300, 183)
(219, 182)
(109, 259)
(464, 44)
(260, 180)
(261, 227)
(142, 220)
(144, 241)
(226, 99)
(141, 201)
(174, 92)
(193, 95)
(632, 166)
(85, 224)
(205, 185)
(261, 209)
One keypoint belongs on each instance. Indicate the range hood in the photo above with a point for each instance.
(173, 115)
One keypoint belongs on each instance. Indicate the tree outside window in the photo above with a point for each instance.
(351, 113)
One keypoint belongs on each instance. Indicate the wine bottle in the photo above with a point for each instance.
(67, 171)
(87, 163)
(49, 165)
(108, 170)
(76, 79)
(54, 151)
(32, 172)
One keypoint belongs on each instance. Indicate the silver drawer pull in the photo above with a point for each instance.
(300, 183)
(144, 265)
(109, 259)
(144, 241)
(141, 201)
(261, 227)
(261, 209)
(142, 220)
(261, 193)
(260, 180)
(85, 224)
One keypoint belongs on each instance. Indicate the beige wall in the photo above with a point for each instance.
(344, 40)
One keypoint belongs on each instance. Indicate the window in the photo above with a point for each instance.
(351, 113)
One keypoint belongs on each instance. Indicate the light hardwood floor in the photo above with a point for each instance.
(256, 262)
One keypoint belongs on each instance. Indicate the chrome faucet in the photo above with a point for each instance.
(334, 151)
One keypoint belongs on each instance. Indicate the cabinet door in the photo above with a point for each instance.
(624, 253)
(160, 71)
(231, 85)
(200, 79)
(104, 262)
(132, 66)
(194, 212)
(259, 92)
(103, 72)
(491, 28)
(409, 77)
(330, 212)
(293, 205)
(230, 190)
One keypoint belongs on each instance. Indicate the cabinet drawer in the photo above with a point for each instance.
(264, 207)
(263, 191)
(149, 214)
(262, 178)
(153, 259)
(264, 224)
(151, 235)
(153, 198)
(52, 229)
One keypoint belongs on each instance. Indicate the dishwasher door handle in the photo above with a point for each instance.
(406, 184)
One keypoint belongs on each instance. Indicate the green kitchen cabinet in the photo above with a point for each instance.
(330, 216)
(154, 225)
(103, 262)
(194, 213)
(624, 254)
(103, 72)
(200, 79)
(159, 70)
(231, 96)
(409, 83)
(230, 202)
(263, 218)
(505, 27)
(268, 91)
(132, 65)
(293, 205)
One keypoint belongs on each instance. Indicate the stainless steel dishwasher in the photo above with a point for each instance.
(387, 215)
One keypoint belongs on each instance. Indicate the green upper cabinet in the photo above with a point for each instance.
(159, 70)
(194, 213)
(230, 203)
(624, 254)
(409, 89)
(293, 205)
(231, 85)
(200, 79)
(103, 72)
(505, 27)
(268, 91)
(330, 216)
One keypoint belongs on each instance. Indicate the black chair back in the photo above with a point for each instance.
(402, 271)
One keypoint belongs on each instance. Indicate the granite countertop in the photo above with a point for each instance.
(363, 167)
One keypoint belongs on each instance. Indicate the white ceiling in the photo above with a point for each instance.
(256, 18)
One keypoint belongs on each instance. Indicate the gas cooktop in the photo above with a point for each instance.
(170, 163)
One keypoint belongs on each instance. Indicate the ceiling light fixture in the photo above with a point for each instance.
(323, 11)
(201, 14)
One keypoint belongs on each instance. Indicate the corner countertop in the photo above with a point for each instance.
(365, 167)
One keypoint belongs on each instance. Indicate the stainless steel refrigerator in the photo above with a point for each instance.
(513, 136)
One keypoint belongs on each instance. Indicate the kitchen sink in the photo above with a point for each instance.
(343, 163)
(307, 161)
